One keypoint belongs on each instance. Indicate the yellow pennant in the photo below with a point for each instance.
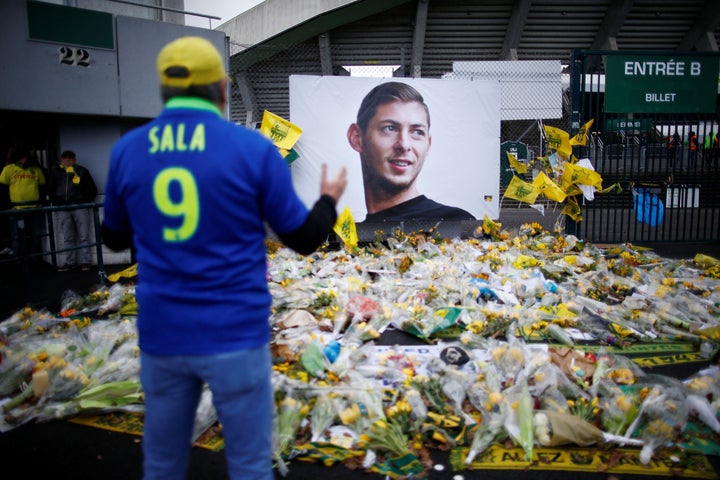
(521, 190)
(558, 140)
(572, 209)
(614, 186)
(489, 226)
(581, 137)
(346, 229)
(280, 131)
(516, 164)
(573, 191)
(575, 174)
(549, 188)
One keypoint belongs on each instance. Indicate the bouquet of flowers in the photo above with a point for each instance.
(662, 415)
(554, 428)
(289, 414)
(322, 415)
(518, 417)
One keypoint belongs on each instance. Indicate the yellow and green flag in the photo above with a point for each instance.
(558, 140)
(575, 174)
(580, 138)
(282, 133)
(289, 155)
(346, 229)
(517, 165)
(489, 226)
(614, 186)
(521, 190)
(549, 188)
(572, 209)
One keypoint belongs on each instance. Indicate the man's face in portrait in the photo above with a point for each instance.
(394, 146)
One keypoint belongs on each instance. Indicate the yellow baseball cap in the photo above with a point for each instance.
(190, 61)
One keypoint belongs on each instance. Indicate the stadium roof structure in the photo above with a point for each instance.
(456, 30)
(429, 38)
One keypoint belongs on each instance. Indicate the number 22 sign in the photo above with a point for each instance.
(74, 56)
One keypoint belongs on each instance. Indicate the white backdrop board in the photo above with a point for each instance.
(529, 89)
(462, 168)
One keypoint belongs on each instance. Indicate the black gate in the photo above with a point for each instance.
(670, 191)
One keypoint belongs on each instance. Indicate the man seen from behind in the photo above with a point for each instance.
(193, 193)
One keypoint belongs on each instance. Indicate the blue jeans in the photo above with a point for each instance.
(243, 399)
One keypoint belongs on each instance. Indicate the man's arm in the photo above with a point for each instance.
(322, 217)
(316, 228)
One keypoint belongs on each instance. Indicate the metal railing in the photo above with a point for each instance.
(34, 246)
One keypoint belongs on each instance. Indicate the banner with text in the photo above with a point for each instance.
(661, 84)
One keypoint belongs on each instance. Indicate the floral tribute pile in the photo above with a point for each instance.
(497, 326)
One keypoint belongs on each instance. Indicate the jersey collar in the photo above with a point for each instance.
(193, 102)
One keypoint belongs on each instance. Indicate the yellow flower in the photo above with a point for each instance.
(516, 354)
(476, 326)
(350, 414)
(622, 376)
(496, 398)
(624, 403)
(363, 440)
(498, 352)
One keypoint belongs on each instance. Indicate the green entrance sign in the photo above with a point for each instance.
(661, 84)
(627, 124)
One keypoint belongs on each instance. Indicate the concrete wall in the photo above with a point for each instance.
(89, 106)
(116, 82)
(272, 17)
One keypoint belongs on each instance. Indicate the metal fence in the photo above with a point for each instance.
(689, 190)
(668, 194)
(31, 236)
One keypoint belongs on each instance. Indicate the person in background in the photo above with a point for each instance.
(392, 136)
(25, 180)
(72, 184)
(711, 149)
(675, 153)
(5, 236)
(195, 194)
(643, 151)
(692, 150)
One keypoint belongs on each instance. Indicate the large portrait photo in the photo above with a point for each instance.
(415, 149)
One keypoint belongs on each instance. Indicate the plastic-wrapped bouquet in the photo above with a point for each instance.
(662, 415)
(554, 428)
(322, 415)
(289, 414)
(518, 417)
